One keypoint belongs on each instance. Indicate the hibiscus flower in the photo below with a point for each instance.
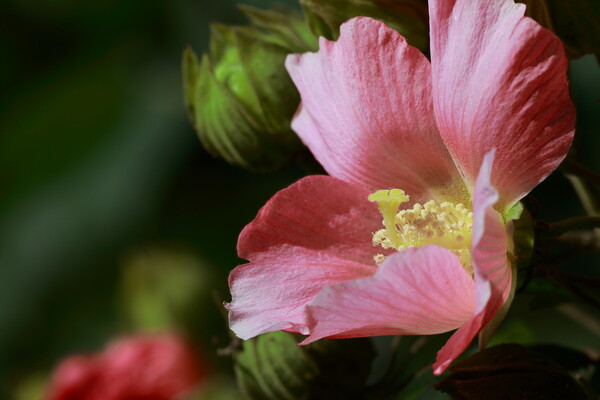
(441, 150)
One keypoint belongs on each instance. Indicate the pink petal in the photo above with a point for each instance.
(367, 112)
(317, 212)
(418, 291)
(491, 267)
(312, 234)
(499, 81)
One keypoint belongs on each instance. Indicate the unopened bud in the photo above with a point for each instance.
(240, 97)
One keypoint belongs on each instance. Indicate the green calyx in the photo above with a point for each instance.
(240, 97)
(523, 236)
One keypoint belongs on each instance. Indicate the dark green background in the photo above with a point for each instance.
(98, 162)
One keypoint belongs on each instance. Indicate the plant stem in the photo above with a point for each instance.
(573, 224)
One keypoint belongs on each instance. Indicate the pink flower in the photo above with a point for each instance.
(151, 367)
(465, 137)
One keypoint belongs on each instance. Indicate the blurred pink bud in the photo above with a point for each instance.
(149, 367)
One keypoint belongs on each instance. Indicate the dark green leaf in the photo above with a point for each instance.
(570, 359)
(274, 367)
(344, 365)
(510, 371)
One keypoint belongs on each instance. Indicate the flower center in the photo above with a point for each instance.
(445, 224)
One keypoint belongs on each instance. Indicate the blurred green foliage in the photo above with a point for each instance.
(576, 22)
(97, 161)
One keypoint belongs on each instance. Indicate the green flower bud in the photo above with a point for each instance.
(240, 97)
(274, 367)
(409, 17)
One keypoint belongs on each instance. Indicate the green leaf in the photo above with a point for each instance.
(402, 368)
(274, 367)
(409, 17)
(568, 358)
(510, 371)
(344, 366)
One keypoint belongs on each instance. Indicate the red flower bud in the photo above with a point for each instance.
(149, 367)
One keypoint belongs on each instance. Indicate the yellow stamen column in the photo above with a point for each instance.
(388, 202)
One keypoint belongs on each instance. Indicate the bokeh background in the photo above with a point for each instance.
(112, 217)
(103, 179)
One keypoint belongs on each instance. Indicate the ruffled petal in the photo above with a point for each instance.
(499, 81)
(315, 233)
(418, 291)
(367, 113)
(491, 267)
